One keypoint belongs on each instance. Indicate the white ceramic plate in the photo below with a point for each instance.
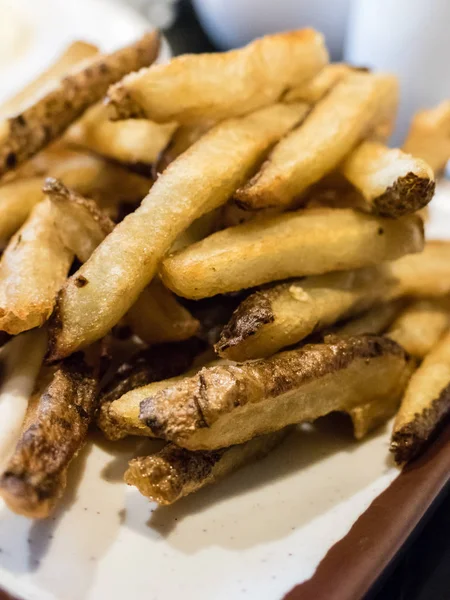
(254, 535)
(45, 27)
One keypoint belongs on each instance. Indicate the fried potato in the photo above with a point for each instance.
(316, 88)
(376, 320)
(25, 134)
(74, 54)
(421, 325)
(33, 268)
(181, 140)
(116, 417)
(201, 179)
(135, 143)
(17, 199)
(392, 182)
(54, 431)
(284, 314)
(200, 87)
(226, 405)
(367, 417)
(158, 317)
(174, 472)
(426, 274)
(425, 404)
(294, 244)
(334, 127)
(429, 136)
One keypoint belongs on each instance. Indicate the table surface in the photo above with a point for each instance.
(421, 570)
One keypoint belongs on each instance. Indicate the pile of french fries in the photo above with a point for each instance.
(140, 204)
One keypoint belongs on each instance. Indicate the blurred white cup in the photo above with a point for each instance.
(409, 38)
(232, 23)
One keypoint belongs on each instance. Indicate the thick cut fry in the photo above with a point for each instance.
(150, 365)
(74, 54)
(174, 472)
(226, 405)
(425, 404)
(17, 199)
(158, 317)
(81, 224)
(422, 324)
(286, 313)
(306, 242)
(24, 135)
(181, 140)
(55, 430)
(392, 182)
(426, 274)
(429, 136)
(342, 119)
(316, 88)
(200, 87)
(367, 417)
(32, 271)
(200, 180)
(375, 320)
(136, 143)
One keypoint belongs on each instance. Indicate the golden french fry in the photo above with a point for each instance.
(55, 429)
(294, 244)
(421, 325)
(425, 404)
(426, 274)
(174, 472)
(136, 143)
(392, 182)
(343, 118)
(74, 54)
(316, 88)
(17, 199)
(429, 136)
(225, 405)
(200, 87)
(369, 416)
(33, 268)
(25, 134)
(157, 316)
(376, 320)
(284, 314)
(201, 179)
(181, 140)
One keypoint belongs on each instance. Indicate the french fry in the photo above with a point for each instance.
(342, 119)
(148, 366)
(33, 268)
(316, 88)
(21, 362)
(54, 431)
(17, 199)
(181, 140)
(158, 317)
(392, 182)
(376, 320)
(425, 404)
(225, 405)
(426, 274)
(284, 314)
(200, 180)
(422, 324)
(367, 417)
(429, 136)
(74, 54)
(135, 143)
(25, 134)
(294, 244)
(174, 472)
(201, 87)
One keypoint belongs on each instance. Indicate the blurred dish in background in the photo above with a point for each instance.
(237, 22)
(34, 32)
(409, 39)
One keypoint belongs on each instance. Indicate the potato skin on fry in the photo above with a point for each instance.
(55, 430)
(294, 244)
(174, 472)
(225, 405)
(24, 135)
(201, 179)
(425, 405)
(201, 87)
